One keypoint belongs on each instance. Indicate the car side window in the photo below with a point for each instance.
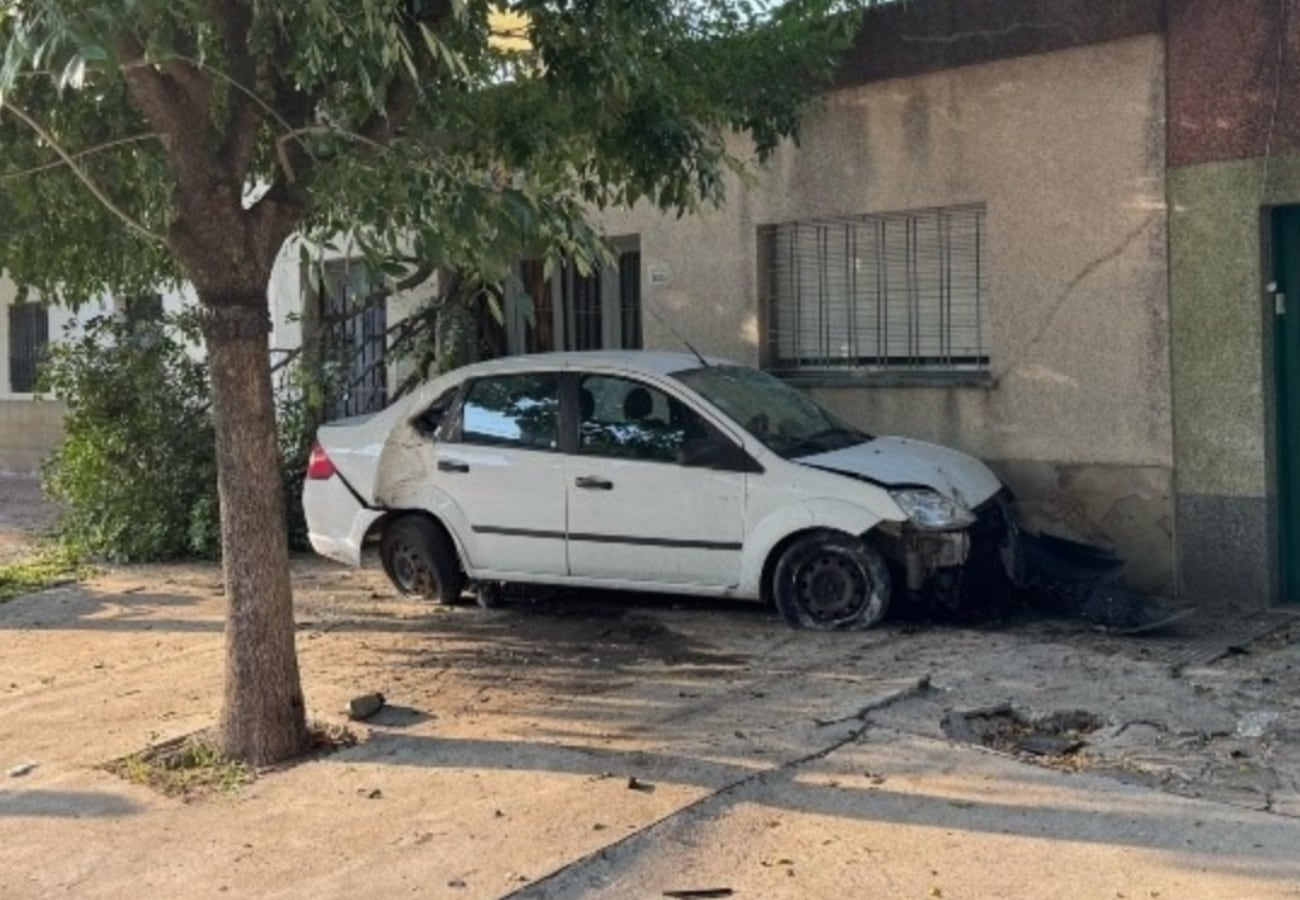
(627, 419)
(516, 410)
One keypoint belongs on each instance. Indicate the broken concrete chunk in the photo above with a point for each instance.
(1049, 745)
(365, 706)
(1256, 724)
(1005, 728)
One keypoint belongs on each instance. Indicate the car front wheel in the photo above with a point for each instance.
(419, 559)
(830, 581)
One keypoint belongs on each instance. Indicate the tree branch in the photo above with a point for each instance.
(174, 116)
(78, 171)
(244, 115)
(402, 94)
(89, 151)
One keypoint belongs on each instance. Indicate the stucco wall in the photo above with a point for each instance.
(29, 430)
(30, 427)
(1234, 79)
(1222, 375)
(1234, 101)
(1067, 151)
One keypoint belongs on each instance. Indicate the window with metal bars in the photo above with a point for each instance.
(355, 337)
(890, 293)
(29, 335)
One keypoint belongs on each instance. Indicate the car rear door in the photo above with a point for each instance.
(502, 468)
(635, 513)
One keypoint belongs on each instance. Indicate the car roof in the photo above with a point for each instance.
(655, 362)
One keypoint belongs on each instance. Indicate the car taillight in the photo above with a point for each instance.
(319, 466)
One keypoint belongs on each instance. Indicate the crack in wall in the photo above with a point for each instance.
(1086, 272)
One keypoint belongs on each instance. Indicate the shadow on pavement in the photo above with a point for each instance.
(71, 804)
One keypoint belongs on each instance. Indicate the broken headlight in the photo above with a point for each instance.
(931, 510)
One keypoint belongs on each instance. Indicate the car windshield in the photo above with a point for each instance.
(784, 419)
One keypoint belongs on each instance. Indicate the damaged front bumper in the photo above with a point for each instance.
(946, 565)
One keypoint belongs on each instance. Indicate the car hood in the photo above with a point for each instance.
(902, 462)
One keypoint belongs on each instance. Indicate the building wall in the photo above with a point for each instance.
(1234, 140)
(30, 426)
(1222, 379)
(1067, 150)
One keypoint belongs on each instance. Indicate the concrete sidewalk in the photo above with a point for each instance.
(771, 762)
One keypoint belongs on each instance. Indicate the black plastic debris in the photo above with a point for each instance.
(1083, 581)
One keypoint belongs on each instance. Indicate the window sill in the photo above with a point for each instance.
(851, 379)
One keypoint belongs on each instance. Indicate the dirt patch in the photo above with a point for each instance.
(192, 766)
(1005, 728)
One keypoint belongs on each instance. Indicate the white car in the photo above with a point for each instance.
(654, 472)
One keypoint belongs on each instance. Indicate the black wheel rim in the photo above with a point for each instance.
(411, 572)
(831, 587)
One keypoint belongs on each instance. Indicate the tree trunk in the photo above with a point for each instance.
(263, 718)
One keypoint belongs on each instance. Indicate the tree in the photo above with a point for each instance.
(153, 141)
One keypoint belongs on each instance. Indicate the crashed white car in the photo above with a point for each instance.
(654, 472)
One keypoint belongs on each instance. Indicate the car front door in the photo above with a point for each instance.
(635, 513)
(503, 471)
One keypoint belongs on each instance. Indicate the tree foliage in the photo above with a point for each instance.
(148, 141)
(418, 127)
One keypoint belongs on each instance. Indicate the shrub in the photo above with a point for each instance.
(136, 473)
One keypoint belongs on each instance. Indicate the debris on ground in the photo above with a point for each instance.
(21, 769)
(634, 784)
(363, 707)
(699, 893)
(1083, 581)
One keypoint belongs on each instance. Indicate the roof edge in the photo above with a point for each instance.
(915, 37)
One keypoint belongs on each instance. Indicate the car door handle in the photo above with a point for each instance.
(452, 465)
(594, 483)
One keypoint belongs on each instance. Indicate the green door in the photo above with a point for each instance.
(1286, 273)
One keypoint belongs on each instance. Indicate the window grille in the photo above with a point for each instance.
(894, 292)
(29, 334)
(355, 336)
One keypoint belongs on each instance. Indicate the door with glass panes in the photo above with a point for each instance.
(637, 514)
(502, 469)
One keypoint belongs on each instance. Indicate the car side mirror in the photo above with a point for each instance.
(710, 452)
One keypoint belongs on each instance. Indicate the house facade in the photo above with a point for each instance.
(1057, 235)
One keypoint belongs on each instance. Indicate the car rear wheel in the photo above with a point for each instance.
(420, 559)
(830, 581)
